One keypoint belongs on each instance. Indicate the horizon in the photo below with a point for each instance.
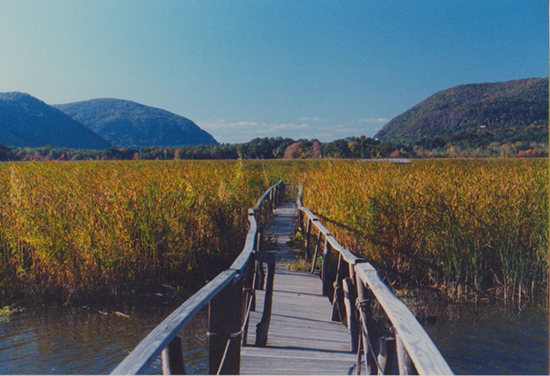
(242, 70)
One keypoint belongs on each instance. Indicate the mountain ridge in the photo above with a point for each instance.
(129, 124)
(487, 111)
(26, 121)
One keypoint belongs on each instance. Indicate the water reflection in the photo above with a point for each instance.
(492, 339)
(474, 340)
(83, 341)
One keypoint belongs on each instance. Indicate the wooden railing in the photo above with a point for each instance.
(231, 297)
(353, 286)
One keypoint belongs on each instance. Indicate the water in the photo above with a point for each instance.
(84, 341)
(484, 340)
(492, 339)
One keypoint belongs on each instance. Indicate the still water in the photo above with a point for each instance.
(473, 340)
(492, 339)
(86, 341)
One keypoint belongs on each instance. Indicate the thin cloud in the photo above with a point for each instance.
(310, 119)
(377, 120)
(244, 131)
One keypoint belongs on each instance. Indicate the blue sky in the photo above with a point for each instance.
(246, 69)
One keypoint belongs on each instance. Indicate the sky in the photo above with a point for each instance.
(241, 69)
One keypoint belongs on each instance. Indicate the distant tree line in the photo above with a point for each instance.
(278, 148)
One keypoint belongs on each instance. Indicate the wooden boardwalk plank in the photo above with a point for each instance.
(302, 338)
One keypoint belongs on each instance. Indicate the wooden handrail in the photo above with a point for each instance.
(419, 348)
(425, 355)
(242, 260)
(151, 347)
(261, 199)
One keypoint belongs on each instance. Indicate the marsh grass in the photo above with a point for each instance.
(88, 231)
(460, 226)
(84, 231)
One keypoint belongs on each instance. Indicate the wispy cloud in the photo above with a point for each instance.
(377, 120)
(245, 131)
(310, 119)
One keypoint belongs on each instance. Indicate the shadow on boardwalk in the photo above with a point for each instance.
(302, 338)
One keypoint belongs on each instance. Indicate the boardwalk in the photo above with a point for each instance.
(302, 338)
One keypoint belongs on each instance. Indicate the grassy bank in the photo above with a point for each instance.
(461, 226)
(85, 231)
(89, 231)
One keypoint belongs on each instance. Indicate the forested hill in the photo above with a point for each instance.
(476, 115)
(29, 122)
(132, 125)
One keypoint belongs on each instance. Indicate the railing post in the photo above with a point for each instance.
(249, 294)
(325, 271)
(260, 276)
(406, 366)
(350, 296)
(385, 357)
(316, 253)
(262, 328)
(338, 309)
(172, 358)
(260, 273)
(225, 318)
(308, 234)
(363, 303)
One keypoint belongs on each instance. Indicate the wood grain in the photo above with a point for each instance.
(426, 357)
(151, 346)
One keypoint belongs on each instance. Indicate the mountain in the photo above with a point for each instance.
(477, 114)
(133, 125)
(26, 121)
(6, 153)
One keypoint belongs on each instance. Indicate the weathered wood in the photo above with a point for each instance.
(172, 358)
(406, 366)
(322, 229)
(149, 349)
(423, 352)
(366, 328)
(308, 234)
(248, 297)
(242, 260)
(265, 195)
(248, 302)
(250, 276)
(385, 356)
(259, 281)
(316, 253)
(267, 257)
(308, 213)
(224, 330)
(327, 283)
(302, 339)
(350, 297)
(262, 328)
(228, 308)
(338, 308)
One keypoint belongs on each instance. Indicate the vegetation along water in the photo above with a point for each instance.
(462, 226)
(87, 230)
(97, 232)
